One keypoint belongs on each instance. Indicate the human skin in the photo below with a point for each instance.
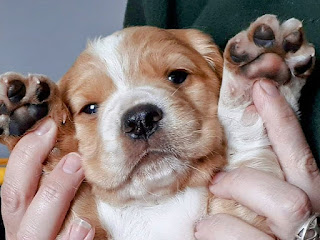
(285, 204)
(29, 213)
(32, 213)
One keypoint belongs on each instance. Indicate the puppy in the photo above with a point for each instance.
(141, 106)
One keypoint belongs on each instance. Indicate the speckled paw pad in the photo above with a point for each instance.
(23, 101)
(250, 51)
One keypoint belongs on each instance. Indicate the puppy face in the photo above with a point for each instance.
(144, 103)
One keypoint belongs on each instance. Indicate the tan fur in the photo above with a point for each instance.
(151, 54)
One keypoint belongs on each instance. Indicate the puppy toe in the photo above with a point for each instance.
(264, 36)
(43, 91)
(16, 91)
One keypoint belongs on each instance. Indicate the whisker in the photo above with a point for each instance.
(194, 168)
(176, 90)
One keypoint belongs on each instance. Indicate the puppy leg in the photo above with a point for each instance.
(270, 50)
(24, 102)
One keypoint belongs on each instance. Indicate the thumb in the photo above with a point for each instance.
(286, 137)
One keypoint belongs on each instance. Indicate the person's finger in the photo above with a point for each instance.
(288, 140)
(46, 212)
(223, 226)
(285, 206)
(79, 230)
(23, 173)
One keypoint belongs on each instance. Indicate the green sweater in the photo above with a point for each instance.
(222, 19)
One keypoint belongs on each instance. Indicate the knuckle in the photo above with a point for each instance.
(22, 152)
(11, 197)
(52, 191)
(285, 113)
(307, 162)
(298, 206)
(286, 119)
(288, 115)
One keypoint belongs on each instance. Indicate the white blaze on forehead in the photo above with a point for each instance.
(109, 51)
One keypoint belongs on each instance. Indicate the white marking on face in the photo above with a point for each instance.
(119, 161)
(108, 50)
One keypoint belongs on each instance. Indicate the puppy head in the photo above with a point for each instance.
(144, 102)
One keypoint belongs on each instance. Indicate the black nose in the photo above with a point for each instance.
(141, 121)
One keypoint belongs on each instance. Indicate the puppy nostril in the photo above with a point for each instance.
(16, 91)
(129, 127)
(264, 36)
(153, 117)
(141, 121)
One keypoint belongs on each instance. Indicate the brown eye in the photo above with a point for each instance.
(91, 108)
(178, 76)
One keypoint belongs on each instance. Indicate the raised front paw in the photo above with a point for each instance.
(23, 102)
(267, 49)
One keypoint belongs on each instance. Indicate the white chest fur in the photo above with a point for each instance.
(171, 220)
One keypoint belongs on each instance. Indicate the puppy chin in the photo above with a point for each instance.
(119, 73)
(154, 178)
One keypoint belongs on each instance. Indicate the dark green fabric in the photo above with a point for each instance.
(222, 19)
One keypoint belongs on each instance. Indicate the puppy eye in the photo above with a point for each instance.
(91, 108)
(178, 76)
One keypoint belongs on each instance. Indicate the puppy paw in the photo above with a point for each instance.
(23, 102)
(267, 49)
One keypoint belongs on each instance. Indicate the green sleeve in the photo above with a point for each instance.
(222, 19)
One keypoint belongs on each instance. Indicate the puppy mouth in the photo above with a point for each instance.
(157, 170)
(157, 162)
(152, 156)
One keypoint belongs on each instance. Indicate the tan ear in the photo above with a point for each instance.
(203, 44)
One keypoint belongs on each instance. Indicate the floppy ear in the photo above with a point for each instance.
(203, 44)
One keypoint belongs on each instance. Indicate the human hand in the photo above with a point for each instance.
(32, 213)
(286, 204)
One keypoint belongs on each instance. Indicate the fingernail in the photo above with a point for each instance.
(198, 231)
(79, 230)
(44, 127)
(72, 163)
(269, 88)
(217, 178)
(197, 235)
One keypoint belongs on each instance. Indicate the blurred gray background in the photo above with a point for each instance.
(45, 36)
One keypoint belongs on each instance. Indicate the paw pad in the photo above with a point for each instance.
(266, 36)
(293, 41)
(16, 91)
(263, 36)
(23, 102)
